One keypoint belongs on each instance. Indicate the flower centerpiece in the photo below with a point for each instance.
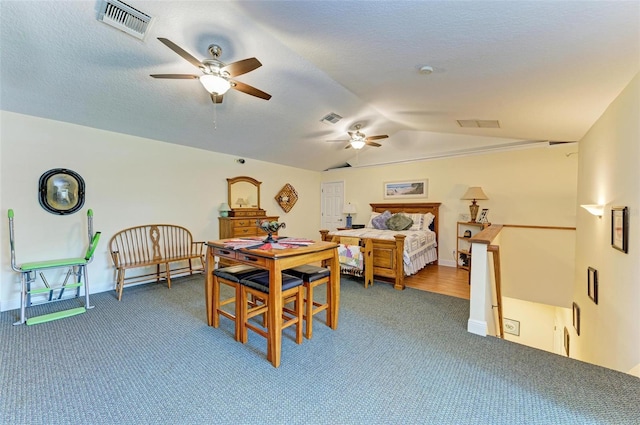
(270, 227)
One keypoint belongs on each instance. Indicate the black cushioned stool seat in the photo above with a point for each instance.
(230, 276)
(237, 273)
(313, 276)
(257, 285)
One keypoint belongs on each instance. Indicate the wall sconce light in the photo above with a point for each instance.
(594, 209)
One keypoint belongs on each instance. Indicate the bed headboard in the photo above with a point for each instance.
(411, 207)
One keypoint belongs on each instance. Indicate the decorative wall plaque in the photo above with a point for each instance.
(287, 197)
(61, 191)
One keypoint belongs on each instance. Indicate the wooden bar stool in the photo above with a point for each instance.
(230, 276)
(257, 285)
(312, 276)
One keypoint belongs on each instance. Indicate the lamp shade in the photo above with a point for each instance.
(349, 209)
(215, 84)
(474, 193)
(357, 144)
(241, 202)
(224, 209)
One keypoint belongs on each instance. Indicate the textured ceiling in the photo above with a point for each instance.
(545, 70)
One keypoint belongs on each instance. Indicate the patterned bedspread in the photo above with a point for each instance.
(419, 245)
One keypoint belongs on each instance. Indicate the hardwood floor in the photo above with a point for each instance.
(450, 281)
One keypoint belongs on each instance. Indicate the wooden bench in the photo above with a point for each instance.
(152, 245)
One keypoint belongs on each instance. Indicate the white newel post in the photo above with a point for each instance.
(480, 313)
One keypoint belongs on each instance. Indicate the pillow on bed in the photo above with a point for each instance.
(428, 220)
(370, 222)
(399, 222)
(380, 222)
(417, 219)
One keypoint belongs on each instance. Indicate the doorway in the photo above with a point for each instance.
(332, 202)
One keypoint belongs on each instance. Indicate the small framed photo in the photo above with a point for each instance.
(566, 341)
(592, 284)
(620, 228)
(483, 216)
(511, 326)
(576, 318)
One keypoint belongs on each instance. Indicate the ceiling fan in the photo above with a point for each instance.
(358, 140)
(216, 77)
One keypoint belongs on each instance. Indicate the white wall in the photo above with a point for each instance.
(129, 181)
(535, 186)
(547, 256)
(609, 173)
(536, 323)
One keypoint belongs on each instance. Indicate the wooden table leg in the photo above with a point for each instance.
(275, 312)
(334, 290)
(208, 284)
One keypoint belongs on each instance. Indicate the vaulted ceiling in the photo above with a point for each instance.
(543, 70)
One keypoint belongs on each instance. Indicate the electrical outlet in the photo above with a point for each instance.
(453, 254)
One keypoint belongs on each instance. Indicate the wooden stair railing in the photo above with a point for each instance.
(495, 251)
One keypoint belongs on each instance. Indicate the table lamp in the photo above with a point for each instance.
(224, 209)
(348, 210)
(474, 193)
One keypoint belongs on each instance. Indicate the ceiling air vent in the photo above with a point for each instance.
(125, 18)
(479, 123)
(331, 118)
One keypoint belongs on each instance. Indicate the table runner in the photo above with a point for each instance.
(282, 242)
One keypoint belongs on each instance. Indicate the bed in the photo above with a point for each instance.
(395, 254)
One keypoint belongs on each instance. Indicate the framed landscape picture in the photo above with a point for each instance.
(406, 189)
(620, 228)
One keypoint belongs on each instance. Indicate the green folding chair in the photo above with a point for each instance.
(29, 272)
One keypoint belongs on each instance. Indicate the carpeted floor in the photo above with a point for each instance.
(397, 357)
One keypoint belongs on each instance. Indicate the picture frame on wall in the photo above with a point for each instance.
(576, 318)
(406, 189)
(592, 284)
(566, 341)
(620, 228)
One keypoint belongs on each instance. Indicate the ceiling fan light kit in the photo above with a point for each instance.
(217, 77)
(215, 84)
(357, 144)
(358, 140)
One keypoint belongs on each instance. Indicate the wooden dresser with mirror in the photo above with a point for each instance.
(244, 200)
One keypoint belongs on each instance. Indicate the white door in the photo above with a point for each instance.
(332, 203)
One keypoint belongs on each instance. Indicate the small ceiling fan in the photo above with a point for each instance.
(216, 76)
(358, 140)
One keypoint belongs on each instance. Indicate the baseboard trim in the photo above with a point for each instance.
(477, 327)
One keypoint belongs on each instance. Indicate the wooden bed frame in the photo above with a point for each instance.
(387, 261)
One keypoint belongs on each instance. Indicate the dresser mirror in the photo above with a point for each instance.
(244, 196)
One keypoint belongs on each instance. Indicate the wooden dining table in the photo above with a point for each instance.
(276, 261)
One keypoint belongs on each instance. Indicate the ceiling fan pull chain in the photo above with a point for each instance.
(215, 116)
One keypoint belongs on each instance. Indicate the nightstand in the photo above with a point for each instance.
(466, 229)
